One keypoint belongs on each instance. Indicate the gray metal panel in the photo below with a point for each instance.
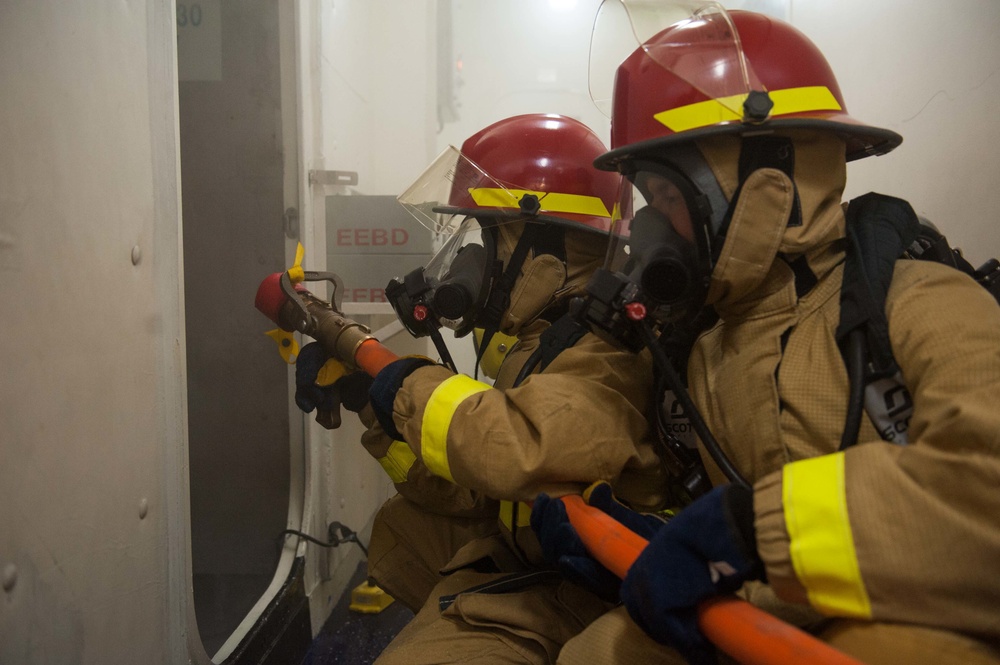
(370, 240)
(232, 172)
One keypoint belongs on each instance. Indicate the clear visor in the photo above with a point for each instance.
(467, 241)
(667, 195)
(454, 187)
(695, 41)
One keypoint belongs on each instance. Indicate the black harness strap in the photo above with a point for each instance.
(879, 229)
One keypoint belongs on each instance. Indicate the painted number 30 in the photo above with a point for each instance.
(188, 14)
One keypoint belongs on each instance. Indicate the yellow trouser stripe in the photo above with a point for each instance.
(397, 461)
(496, 197)
(440, 409)
(822, 546)
(729, 109)
(507, 514)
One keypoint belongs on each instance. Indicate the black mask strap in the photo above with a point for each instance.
(501, 286)
(499, 298)
(771, 152)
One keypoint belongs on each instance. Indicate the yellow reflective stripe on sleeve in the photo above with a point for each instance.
(397, 461)
(437, 419)
(496, 197)
(507, 514)
(822, 546)
(729, 109)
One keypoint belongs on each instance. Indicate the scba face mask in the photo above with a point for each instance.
(665, 251)
(451, 290)
(662, 262)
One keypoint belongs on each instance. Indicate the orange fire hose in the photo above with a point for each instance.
(372, 356)
(747, 634)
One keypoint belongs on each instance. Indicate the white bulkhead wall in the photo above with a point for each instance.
(367, 108)
(931, 72)
(94, 541)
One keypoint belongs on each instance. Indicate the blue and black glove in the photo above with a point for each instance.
(562, 547)
(387, 383)
(707, 550)
(324, 384)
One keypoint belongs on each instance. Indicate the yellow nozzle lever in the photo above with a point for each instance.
(295, 273)
(287, 346)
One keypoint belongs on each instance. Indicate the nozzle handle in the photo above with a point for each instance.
(345, 339)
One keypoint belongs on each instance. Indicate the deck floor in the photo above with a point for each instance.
(352, 638)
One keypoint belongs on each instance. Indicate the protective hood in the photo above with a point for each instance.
(759, 230)
(546, 280)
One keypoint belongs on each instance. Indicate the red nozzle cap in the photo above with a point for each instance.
(270, 297)
(635, 311)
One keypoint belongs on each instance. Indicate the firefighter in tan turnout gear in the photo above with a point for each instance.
(525, 219)
(734, 131)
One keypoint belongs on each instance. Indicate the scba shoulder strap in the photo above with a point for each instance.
(880, 230)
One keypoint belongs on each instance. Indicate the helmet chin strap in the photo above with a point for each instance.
(501, 287)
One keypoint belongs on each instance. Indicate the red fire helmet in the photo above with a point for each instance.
(707, 75)
(546, 156)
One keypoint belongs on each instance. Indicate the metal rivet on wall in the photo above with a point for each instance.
(9, 576)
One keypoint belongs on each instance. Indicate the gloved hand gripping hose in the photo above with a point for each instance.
(750, 635)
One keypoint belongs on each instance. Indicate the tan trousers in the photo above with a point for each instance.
(527, 626)
(409, 546)
(614, 638)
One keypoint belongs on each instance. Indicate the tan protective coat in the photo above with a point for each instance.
(769, 377)
(584, 418)
(771, 383)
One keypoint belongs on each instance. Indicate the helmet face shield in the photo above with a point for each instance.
(454, 187)
(694, 40)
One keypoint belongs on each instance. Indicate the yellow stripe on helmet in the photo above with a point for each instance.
(440, 409)
(729, 109)
(580, 204)
(822, 546)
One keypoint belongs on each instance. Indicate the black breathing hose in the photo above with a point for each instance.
(857, 352)
(680, 391)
